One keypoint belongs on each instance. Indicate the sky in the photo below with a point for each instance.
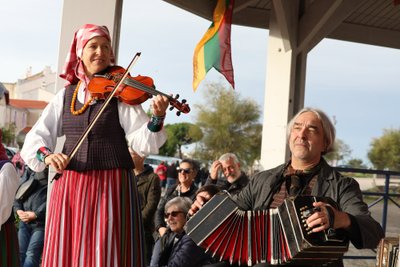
(357, 85)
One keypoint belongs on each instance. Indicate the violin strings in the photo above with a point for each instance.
(143, 87)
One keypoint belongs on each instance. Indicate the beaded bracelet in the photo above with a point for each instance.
(156, 123)
(42, 153)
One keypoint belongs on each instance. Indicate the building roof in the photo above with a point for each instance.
(375, 22)
(28, 104)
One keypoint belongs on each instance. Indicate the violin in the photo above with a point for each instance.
(133, 90)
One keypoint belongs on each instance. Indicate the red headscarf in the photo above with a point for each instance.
(3, 153)
(73, 69)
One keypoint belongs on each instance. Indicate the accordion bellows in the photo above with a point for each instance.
(274, 236)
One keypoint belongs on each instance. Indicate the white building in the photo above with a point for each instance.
(22, 103)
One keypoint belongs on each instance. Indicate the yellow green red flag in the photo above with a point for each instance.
(214, 49)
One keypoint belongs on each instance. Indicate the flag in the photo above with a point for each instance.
(214, 49)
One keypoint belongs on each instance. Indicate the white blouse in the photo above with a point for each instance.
(9, 182)
(48, 128)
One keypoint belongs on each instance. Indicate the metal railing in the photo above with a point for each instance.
(384, 196)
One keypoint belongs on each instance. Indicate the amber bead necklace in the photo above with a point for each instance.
(85, 106)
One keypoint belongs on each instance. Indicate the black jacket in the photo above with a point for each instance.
(232, 188)
(36, 202)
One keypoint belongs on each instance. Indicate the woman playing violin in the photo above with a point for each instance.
(94, 214)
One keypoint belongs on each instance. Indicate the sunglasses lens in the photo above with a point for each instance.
(173, 213)
(187, 171)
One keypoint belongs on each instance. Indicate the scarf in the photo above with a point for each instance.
(296, 180)
(73, 70)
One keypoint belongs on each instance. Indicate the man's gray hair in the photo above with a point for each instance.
(327, 126)
(227, 156)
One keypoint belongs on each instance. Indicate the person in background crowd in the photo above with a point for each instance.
(175, 248)
(161, 170)
(32, 214)
(201, 177)
(172, 174)
(149, 189)
(94, 216)
(184, 188)
(18, 163)
(8, 235)
(234, 179)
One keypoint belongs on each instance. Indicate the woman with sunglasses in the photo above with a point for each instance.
(185, 187)
(175, 247)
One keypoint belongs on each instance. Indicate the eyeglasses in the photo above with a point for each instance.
(187, 171)
(172, 213)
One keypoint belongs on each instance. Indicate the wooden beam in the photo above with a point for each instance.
(367, 35)
(313, 27)
(242, 4)
(253, 17)
(314, 19)
(287, 13)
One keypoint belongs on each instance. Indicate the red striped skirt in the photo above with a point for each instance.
(94, 219)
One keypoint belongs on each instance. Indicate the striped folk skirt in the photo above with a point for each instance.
(9, 250)
(94, 219)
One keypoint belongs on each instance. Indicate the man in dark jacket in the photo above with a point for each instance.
(149, 189)
(32, 214)
(233, 179)
(311, 135)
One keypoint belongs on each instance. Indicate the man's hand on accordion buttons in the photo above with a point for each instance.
(323, 218)
(201, 199)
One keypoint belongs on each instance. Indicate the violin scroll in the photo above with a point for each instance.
(180, 106)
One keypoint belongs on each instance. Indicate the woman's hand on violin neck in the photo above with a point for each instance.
(160, 105)
(58, 161)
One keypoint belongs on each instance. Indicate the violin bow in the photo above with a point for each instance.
(100, 111)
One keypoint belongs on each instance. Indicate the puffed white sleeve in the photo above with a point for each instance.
(8, 187)
(134, 121)
(44, 133)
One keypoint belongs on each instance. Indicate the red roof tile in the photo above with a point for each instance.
(29, 104)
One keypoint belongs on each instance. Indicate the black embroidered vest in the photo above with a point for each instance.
(105, 146)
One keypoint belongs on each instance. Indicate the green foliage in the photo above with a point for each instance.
(385, 151)
(340, 152)
(356, 163)
(230, 124)
(8, 134)
(180, 134)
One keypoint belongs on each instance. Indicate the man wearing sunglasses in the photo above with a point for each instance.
(233, 179)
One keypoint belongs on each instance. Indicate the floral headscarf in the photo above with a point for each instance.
(73, 70)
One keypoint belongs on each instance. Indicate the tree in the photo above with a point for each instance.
(230, 124)
(180, 134)
(385, 151)
(356, 163)
(8, 133)
(340, 151)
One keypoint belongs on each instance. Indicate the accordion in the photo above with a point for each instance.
(274, 236)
